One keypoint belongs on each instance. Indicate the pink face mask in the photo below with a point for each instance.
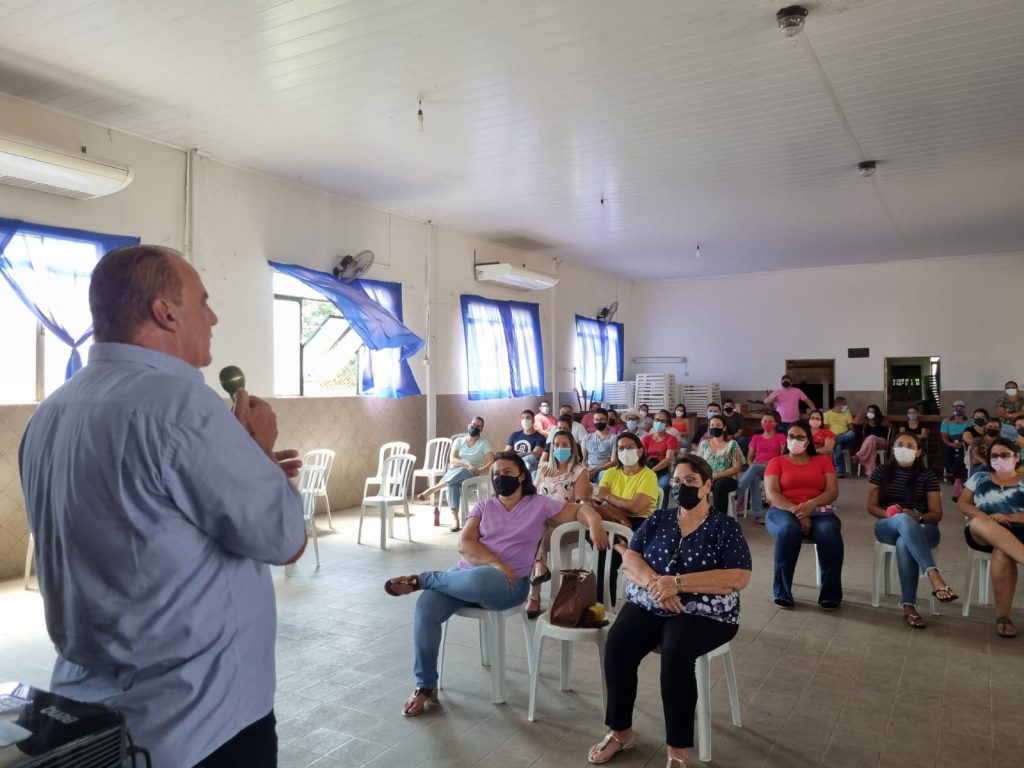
(1004, 466)
(768, 426)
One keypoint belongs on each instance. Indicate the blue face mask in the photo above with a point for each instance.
(631, 425)
(712, 414)
(660, 426)
(561, 454)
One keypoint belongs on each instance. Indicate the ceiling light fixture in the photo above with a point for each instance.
(419, 116)
(791, 19)
(698, 249)
(866, 169)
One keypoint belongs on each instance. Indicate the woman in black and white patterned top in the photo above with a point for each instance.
(692, 566)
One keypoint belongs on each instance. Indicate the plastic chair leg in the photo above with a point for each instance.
(538, 649)
(29, 558)
(497, 627)
(316, 545)
(734, 691)
(703, 669)
(362, 514)
(566, 666)
(600, 660)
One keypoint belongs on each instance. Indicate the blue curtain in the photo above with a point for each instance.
(378, 326)
(504, 348)
(599, 355)
(385, 373)
(49, 269)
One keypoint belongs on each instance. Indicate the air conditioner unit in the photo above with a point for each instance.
(31, 166)
(510, 276)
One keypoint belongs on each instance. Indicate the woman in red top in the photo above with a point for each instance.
(660, 448)
(824, 438)
(801, 486)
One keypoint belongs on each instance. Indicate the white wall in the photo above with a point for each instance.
(152, 207)
(739, 331)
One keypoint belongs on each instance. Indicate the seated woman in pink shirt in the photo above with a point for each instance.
(786, 401)
(498, 545)
(763, 448)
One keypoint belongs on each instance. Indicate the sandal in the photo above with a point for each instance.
(594, 756)
(533, 609)
(945, 594)
(418, 701)
(402, 585)
(1005, 628)
(915, 620)
(545, 576)
(675, 762)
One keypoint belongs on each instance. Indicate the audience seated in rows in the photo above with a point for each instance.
(599, 445)
(802, 488)
(726, 460)
(907, 500)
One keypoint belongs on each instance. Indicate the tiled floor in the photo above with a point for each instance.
(855, 688)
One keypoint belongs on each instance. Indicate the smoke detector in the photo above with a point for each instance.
(791, 19)
(866, 169)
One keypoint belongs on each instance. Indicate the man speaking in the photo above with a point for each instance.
(155, 512)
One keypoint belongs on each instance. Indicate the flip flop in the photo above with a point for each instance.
(603, 744)
(1005, 628)
(915, 620)
(418, 701)
(402, 585)
(945, 594)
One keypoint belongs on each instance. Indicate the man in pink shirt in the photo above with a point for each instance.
(786, 401)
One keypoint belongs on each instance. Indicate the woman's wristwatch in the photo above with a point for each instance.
(678, 582)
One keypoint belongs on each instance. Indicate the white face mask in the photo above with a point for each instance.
(796, 447)
(871, 414)
(845, 409)
(527, 423)
(545, 409)
(1011, 392)
(1003, 466)
(629, 457)
(905, 457)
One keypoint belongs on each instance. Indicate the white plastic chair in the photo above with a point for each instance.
(881, 575)
(435, 463)
(29, 559)
(703, 670)
(480, 488)
(817, 562)
(322, 457)
(492, 644)
(978, 565)
(394, 491)
(730, 508)
(310, 478)
(567, 635)
(386, 451)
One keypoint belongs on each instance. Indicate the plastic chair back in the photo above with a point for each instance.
(396, 475)
(439, 451)
(322, 457)
(586, 556)
(311, 477)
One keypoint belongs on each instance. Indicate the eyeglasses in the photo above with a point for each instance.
(796, 438)
(1002, 455)
(691, 480)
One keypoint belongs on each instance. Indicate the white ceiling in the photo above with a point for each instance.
(695, 120)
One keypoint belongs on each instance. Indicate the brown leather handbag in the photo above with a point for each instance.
(576, 593)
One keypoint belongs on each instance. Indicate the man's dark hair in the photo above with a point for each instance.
(528, 412)
(124, 285)
(599, 412)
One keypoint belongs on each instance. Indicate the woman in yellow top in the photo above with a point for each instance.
(628, 493)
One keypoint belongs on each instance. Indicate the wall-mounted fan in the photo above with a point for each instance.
(353, 267)
(606, 314)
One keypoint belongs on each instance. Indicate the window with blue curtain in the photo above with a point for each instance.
(49, 269)
(504, 350)
(599, 355)
(384, 373)
(373, 309)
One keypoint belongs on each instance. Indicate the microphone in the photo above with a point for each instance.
(232, 379)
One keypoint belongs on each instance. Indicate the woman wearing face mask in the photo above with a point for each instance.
(645, 419)
(993, 502)
(680, 426)
(629, 493)
(823, 437)
(726, 460)
(915, 427)
(614, 425)
(875, 428)
(1008, 409)
(801, 486)
(497, 549)
(907, 501)
(691, 565)
(471, 456)
(660, 448)
(763, 448)
(563, 478)
(951, 431)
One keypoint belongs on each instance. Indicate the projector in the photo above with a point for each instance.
(43, 730)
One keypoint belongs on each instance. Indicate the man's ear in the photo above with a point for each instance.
(164, 314)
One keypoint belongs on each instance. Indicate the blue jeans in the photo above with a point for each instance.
(664, 482)
(842, 441)
(826, 532)
(445, 592)
(455, 477)
(752, 480)
(914, 544)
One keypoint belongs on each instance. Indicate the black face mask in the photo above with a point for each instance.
(474, 431)
(716, 431)
(1020, 431)
(729, 409)
(505, 485)
(688, 496)
(600, 425)
(787, 384)
(991, 432)
(980, 421)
